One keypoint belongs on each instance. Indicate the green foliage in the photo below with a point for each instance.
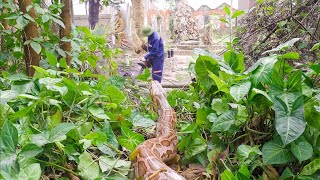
(263, 116)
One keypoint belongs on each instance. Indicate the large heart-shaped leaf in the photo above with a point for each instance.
(138, 120)
(274, 152)
(197, 146)
(115, 95)
(311, 168)
(219, 106)
(240, 90)
(53, 84)
(301, 149)
(222, 86)
(9, 138)
(87, 167)
(56, 134)
(289, 122)
(98, 112)
(261, 71)
(6, 96)
(30, 150)
(203, 66)
(107, 164)
(223, 122)
(30, 172)
(130, 139)
(244, 152)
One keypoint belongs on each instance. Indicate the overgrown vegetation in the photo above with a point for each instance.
(255, 123)
(66, 121)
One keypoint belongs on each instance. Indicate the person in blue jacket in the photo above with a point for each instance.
(155, 55)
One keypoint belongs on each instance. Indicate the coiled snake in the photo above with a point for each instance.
(149, 158)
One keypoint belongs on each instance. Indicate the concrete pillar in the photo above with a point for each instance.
(128, 22)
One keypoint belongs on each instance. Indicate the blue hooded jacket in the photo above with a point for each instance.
(155, 47)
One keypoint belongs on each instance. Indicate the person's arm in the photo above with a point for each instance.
(154, 49)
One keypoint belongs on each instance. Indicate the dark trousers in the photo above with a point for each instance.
(157, 68)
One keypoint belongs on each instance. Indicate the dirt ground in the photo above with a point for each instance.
(175, 70)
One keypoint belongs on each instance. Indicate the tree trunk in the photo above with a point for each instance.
(5, 26)
(138, 16)
(29, 32)
(93, 13)
(66, 32)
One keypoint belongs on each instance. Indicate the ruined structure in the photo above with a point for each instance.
(185, 27)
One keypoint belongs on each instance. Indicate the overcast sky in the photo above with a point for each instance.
(195, 4)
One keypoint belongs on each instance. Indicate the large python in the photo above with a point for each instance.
(149, 158)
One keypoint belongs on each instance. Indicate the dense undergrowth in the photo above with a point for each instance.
(257, 123)
(68, 121)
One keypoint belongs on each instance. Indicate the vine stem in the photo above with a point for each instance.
(239, 137)
(58, 166)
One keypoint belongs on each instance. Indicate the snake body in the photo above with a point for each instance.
(150, 157)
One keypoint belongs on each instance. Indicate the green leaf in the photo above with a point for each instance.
(36, 47)
(56, 134)
(9, 165)
(219, 106)
(223, 20)
(274, 152)
(115, 95)
(311, 115)
(23, 112)
(107, 129)
(130, 139)
(258, 91)
(7, 96)
(58, 21)
(316, 68)
(30, 150)
(138, 120)
(98, 112)
(107, 164)
(201, 117)
(203, 66)
(247, 152)
(290, 55)
(222, 86)
(63, 63)
(301, 149)
(145, 75)
(59, 132)
(294, 83)
(52, 59)
(289, 124)
(53, 84)
(243, 173)
(227, 10)
(21, 22)
(9, 138)
(30, 172)
(237, 14)
(223, 122)
(197, 145)
(262, 69)
(287, 174)
(45, 18)
(227, 175)
(98, 138)
(284, 46)
(239, 91)
(88, 169)
(311, 168)
(235, 61)
(315, 47)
